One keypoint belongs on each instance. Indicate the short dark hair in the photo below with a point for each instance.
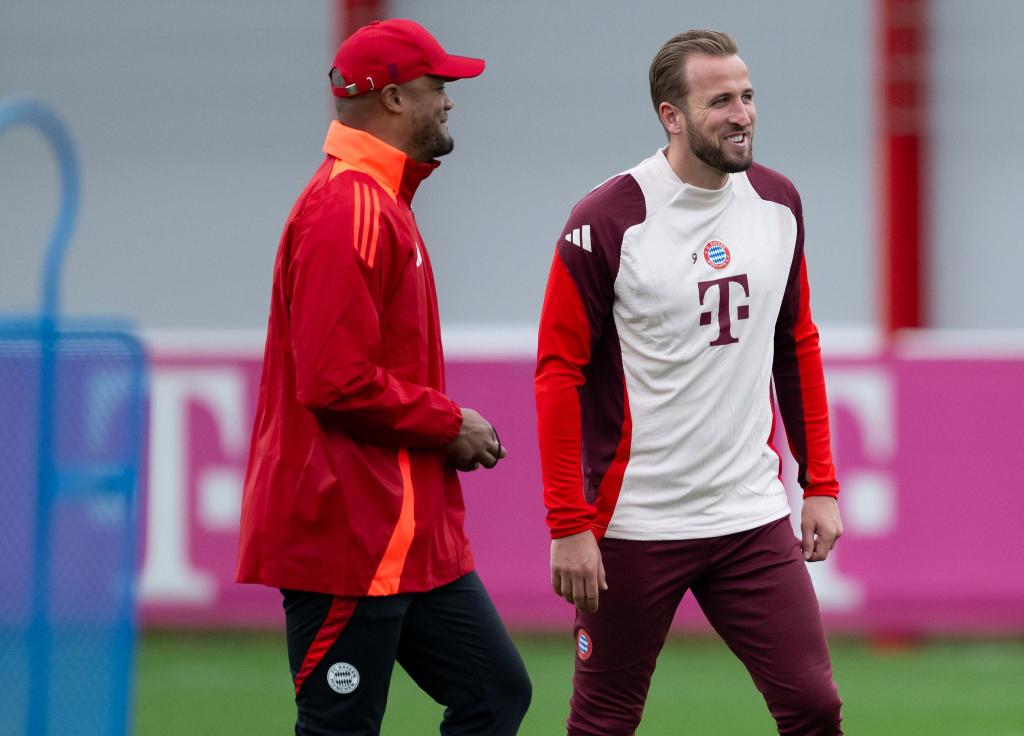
(668, 75)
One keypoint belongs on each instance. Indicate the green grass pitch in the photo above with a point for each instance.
(228, 683)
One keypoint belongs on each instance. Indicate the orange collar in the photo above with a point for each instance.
(392, 169)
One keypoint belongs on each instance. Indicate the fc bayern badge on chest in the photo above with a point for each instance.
(717, 254)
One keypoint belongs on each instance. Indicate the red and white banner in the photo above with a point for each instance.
(928, 448)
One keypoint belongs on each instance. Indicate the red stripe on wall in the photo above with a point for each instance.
(903, 111)
(351, 14)
(334, 623)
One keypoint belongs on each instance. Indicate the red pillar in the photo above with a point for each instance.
(351, 14)
(903, 66)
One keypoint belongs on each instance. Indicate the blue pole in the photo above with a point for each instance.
(125, 631)
(20, 110)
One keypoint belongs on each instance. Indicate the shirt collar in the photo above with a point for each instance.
(390, 167)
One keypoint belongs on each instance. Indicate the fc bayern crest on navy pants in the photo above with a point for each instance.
(450, 640)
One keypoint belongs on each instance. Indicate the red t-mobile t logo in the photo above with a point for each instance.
(724, 317)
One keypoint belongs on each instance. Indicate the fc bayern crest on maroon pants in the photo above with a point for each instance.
(740, 581)
(584, 644)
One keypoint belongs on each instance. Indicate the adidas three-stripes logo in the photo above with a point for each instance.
(366, 223)
(580, 236)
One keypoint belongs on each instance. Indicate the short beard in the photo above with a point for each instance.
(430, 140)
(711, 154)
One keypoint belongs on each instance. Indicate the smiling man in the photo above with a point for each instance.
(352, 505)
(676, 314)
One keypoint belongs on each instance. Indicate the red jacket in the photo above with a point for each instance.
(348, 490)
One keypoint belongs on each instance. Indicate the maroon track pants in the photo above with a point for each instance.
(754, 589)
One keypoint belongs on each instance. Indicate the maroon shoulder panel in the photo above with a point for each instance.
(606, 213)
(774, 187)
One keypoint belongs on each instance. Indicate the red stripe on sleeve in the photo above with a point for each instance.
(375, 235)
(611, 484)
(335, 334)
(563, 351)
(821, 472)
(358, 217)
(771, 434)
(365, 213)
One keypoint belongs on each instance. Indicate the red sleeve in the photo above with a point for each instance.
(582, 405)
(563, 351)
(800, 385)
(335, 330)
(797, 370)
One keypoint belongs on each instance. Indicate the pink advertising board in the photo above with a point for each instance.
(928, 444)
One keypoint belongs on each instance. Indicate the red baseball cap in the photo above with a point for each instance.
(395, 51)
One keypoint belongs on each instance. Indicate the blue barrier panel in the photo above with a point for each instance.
(72, 400)
(67, 662)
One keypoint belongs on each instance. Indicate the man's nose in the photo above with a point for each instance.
(741, 114)
(448, 104)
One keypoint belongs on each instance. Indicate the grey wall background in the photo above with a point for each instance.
(975, 174)
(198, 123)
(564, 104)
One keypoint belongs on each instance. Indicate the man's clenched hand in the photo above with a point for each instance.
(820, 526)
(577, 573)
(476, 445)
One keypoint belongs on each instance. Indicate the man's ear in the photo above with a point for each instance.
(392, 98)
(672, 118)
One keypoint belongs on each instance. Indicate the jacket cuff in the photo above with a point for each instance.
(568, 531)
(456, 426)
(822, 489)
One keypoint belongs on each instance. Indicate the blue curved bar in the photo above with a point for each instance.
(22, 110)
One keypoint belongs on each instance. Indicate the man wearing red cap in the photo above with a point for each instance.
(352, 505)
